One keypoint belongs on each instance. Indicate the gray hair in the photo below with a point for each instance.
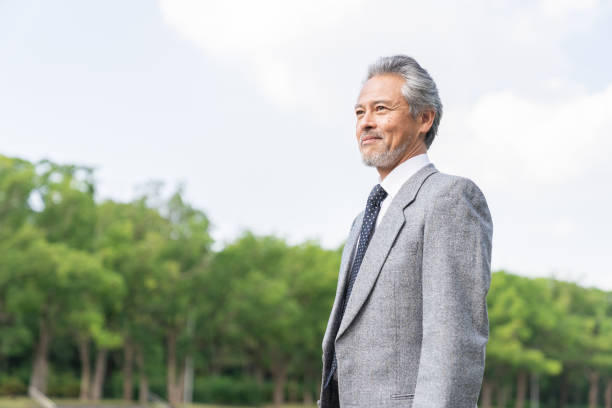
(420, 90)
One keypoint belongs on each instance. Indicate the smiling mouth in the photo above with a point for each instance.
(370, 140)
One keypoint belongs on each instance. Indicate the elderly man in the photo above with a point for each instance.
(409, 324)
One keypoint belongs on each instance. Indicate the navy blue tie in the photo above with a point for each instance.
(376, 197)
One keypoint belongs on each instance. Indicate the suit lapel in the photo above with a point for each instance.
(380, 245)
(347, 256)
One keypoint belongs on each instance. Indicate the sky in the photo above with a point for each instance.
(249, 105)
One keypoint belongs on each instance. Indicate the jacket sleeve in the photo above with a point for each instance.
(456, 273)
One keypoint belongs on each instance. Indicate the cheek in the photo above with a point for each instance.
(388, 125)
(389, 131)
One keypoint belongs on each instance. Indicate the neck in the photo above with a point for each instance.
(415, 151)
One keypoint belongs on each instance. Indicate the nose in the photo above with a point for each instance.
(366, 122)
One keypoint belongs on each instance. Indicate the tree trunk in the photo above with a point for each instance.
(608, 393)
(280, 379)
(486, 394)
(577, 396)
(503, 392)
(563, 394)
(85, 369)
(128, 364)
(143, 385)
(593, 389)
(307, 397)
(188, 380)
(306, 392)
(180, 385)
(41, 367)
(535, 391)
(259, 375)
(292, 396)
(216, 362)
(171, 369)
(97, 385)
(521, 389)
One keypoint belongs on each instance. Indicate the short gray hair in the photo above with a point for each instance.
(420, 90)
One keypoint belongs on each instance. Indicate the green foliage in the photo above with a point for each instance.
(252, 315)
(525, 323)
(17, 180)
(69, 211)
(229, 390)
(277, 298)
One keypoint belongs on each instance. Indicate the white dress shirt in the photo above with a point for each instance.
(396, 179)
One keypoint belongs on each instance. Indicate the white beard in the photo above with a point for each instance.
(384, 159)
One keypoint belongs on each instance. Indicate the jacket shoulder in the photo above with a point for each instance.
(443, 185)
(446, 194)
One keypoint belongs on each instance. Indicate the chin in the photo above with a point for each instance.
(382, 160)
(373, 160)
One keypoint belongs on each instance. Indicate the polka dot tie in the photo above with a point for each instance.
(377, 195)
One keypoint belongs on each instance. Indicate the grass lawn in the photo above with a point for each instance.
(18, 402)
(24, 402)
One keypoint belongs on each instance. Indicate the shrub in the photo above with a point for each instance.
(12, 386)
(228, 390)
(65, 385)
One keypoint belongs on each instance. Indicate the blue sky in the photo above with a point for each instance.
(250, 105)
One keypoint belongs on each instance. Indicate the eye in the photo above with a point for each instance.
(359, 112)
(380, 108)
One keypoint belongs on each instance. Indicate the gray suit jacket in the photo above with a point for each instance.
(415, 328)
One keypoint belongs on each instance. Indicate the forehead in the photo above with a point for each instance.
(381, 87)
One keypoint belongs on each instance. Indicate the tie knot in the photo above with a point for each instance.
(377, 195)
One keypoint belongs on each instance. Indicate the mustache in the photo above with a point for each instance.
(370, 133)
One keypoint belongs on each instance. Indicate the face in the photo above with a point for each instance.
(387, 133)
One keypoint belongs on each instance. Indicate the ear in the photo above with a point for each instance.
(425, 121)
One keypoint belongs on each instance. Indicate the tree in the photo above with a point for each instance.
(17, 181)
(312, 274)
(129, 238)
(51, 281)
(523, 324)
(185, 255)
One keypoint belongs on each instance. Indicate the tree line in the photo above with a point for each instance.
(126, 299)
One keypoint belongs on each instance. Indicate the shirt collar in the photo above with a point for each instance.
(401, 173)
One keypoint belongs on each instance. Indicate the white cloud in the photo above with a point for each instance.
(274, 38)
(512, 140)
(298, 53)
(566, 8)
(233, 26)
(563, 227)
(541, 143)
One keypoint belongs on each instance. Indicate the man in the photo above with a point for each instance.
(409, 324)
